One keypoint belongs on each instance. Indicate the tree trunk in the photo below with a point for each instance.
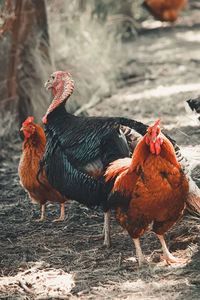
(24, 60)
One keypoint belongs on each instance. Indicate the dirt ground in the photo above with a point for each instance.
(60, 260)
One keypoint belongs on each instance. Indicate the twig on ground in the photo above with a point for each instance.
(119, 260)
(24, 287)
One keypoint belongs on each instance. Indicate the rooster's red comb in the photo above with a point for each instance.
(28, 120)
(154, 128)
(156, 123)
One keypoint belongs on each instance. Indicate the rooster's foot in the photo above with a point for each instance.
(167, 255)
(171, 259)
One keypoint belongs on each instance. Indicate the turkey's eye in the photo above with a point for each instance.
(53, 77)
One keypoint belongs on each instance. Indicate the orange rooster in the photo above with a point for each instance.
(33, 149)
(149, 189)
(165, 10)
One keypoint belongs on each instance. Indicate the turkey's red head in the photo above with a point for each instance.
(28, 127)
(62, 85)
(153, 139)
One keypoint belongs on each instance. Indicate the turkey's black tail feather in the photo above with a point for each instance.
(194, 104)
(137, 126)
(146, 7)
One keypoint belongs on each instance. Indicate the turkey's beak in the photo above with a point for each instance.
(47, 85)
(154, 140)
(22, 128)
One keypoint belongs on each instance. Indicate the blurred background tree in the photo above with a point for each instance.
(25, 59)
(86, 40)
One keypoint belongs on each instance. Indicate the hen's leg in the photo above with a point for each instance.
(42, 215)
(139, 253)
(62, 213)
(167, 255)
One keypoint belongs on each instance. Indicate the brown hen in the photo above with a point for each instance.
(165, 10)
(33, 149)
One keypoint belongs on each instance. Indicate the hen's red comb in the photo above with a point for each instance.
(28, 120)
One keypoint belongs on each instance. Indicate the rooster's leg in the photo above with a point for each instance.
(62, 213)
(167, 255)
(139, 254)
(42, 215)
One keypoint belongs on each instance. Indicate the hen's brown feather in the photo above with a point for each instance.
(33, 149)
(166, 10)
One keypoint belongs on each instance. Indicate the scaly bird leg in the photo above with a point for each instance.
(139, 253)
(167, 255)
(62, 214)
(106, 231)
(42, 215)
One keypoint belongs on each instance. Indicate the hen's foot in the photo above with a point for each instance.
(43, 218)
(58, 220)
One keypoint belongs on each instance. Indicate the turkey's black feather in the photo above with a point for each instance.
(117, 199)
(68, 180)
(194, 104)
(77, 147)
(146, 7)
(76, 144)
